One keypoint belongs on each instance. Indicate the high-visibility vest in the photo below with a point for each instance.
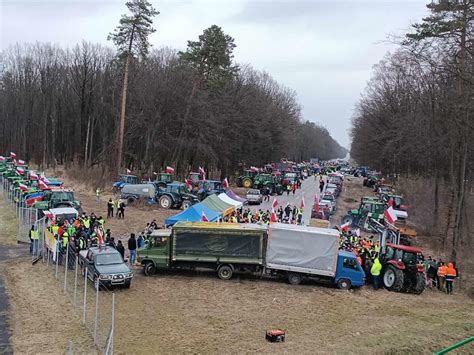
(442, 271)
(87, 222)
(65, 239)
(34, 235)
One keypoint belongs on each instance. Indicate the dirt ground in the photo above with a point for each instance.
(8, 224)
(190, 312)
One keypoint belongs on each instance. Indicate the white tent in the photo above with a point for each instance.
(230, 201)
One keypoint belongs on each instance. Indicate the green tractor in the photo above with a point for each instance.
(397, 200)
(58, 198)
(246, 179)
(262, 181)
(163, 179)
(369, 208)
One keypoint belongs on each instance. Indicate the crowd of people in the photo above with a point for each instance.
(439, 275)
(289, 215)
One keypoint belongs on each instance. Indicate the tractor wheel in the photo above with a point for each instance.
(149, 269)
(186, 204)
(294, 278)
(348, 219)
(165, 202)
(247, 183)
(393, 279)
(344, 284)
(130, 200)
(420, 285)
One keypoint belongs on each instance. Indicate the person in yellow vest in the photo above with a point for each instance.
(375, 272)
(34, 238)
(97, 194)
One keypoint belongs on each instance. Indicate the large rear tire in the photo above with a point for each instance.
(186, 204)
(348, 219)
(393, 279)
(247, 183)
(165, 202)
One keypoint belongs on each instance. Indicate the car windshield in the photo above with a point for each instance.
(409, 258)
(109, 259)
(63, 196)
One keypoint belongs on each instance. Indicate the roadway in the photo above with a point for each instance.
(309, 188)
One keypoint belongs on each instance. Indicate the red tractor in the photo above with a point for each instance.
(401, 271)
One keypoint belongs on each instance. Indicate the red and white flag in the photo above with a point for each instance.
(169, 170)
(302, 203)
(22, 187)
(273, 217)
(390, 202)
(2, 158)
(254, 169)
(44, 179)
(225, 183)
(187, 183)
(203, 217)
(129, 171)
(316, 204)
(33, 175)
(357, 232)
(21, 162)
(42, 185)
(99, 235)
(202, 172)
(274, 203)
(390, 215)
(20, 171)
(345, 226)
(12, 155)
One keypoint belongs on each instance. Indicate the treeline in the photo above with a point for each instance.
(416, 116)
(61, 106)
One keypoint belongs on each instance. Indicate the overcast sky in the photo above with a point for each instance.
(324, 50)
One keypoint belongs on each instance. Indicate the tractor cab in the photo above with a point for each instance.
(124, 180)
(396, 199)
(262, 181)
(246, 178)
(163, 179)
(194, 178)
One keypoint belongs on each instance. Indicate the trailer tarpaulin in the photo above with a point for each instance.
(302, 249)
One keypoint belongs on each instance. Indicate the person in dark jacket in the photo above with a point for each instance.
(121, 249)
(132, 248)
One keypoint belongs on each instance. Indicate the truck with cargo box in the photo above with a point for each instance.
(226, 248)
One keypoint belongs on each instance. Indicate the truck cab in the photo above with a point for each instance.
(349, 272)
(156, 254)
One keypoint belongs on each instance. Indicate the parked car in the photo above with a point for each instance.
(105, 267)
(254, 196)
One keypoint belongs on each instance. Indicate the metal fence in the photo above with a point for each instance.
(96, 306)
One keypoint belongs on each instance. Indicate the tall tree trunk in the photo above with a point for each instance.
(122, 116)
(87, 141)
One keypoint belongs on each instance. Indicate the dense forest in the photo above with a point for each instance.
(416, 116)
(62, 106)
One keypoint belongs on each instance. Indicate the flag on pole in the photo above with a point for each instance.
(203, 217)
(21, 162)
(254, 169)
(302, 202)
(98, 233)
(316, 204)
(20, 171)
(202, 172)
(390, 215)
(273, 216)
(345, 226)
(187, 183)
(32, 200)
(12, 155)
(45, 180)
(22, 187)
(169, 170)
(274, 203)
(33, 175)
(155, 173)
(225, 183)
(390, 202)
(2, 158)
(129, 171)
(42, 185)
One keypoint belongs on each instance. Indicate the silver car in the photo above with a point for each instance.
(254, 196)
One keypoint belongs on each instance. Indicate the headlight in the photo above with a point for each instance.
(130, 274)
(105, 277)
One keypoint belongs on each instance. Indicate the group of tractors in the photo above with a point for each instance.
(167, 192)
(31, 189)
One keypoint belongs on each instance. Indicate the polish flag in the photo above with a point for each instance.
(273, 216)
(42, 185)
(22, 187)
(169, 170)
(20, 171)
(225, 183)
(316, 204)
(390, 202)
(274, 203)
(21, 162)
(44, 179)
(302, 203)
(357, 232)
(390, 215)
(12, 155)
(129, 171)
(202, 172)
(254, 169)
(33, 175)
(98, 232)
(203, 217)
(32, 200)
(187, 183)
(345, 226)
(2, 158)
(155, 173)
